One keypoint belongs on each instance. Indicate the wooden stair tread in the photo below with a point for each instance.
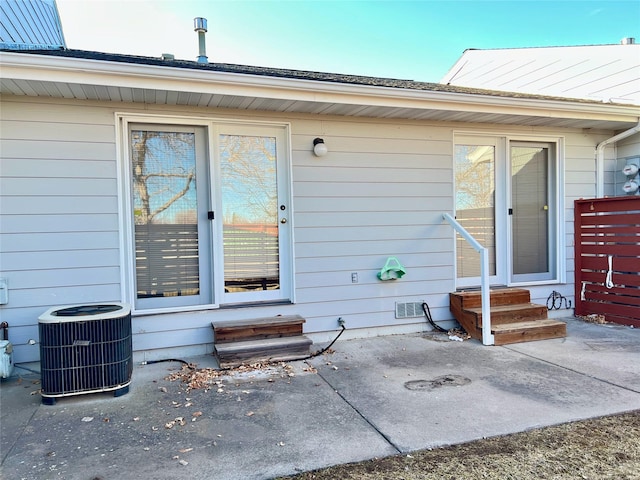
(265, 321)
(263, 345)
(258, 328)
(529, 325)
(503, 296)
(280, 349)
(506, 308)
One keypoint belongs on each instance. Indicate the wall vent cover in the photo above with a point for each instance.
(85, 349)
(409, 310)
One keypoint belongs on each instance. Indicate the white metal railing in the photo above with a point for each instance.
(487, 337)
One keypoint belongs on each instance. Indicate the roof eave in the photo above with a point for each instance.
(165, 78)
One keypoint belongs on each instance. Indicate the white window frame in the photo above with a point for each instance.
(125, 209)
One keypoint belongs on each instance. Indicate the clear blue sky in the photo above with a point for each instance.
(418, 40)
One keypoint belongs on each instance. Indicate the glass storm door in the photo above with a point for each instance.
(169, 196)
(532, 212)
(255, 214)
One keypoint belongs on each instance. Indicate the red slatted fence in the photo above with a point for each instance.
(607, 232)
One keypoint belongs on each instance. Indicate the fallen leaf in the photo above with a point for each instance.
(185, 450)
(183, 462)
(197, 414)
(87, 419)
(250, 414)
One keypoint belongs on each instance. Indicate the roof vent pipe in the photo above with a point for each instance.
(200, 26)
(628, 41)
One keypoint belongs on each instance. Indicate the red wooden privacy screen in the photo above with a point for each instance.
(607, 254)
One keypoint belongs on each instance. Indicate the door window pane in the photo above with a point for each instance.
(165, 213)
(475, 205)
(250, 213)
(530, 221)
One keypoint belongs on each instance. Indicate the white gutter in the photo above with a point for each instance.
(600, 156)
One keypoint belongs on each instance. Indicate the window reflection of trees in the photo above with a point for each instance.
(165, 213)
(248, 170)
(163, 176)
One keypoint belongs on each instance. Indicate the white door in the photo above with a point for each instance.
(255, 214)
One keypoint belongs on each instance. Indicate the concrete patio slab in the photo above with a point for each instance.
(370, 398)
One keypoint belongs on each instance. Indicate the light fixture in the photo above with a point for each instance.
(319, 148)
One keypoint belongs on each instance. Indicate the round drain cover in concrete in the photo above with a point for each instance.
(443, 381)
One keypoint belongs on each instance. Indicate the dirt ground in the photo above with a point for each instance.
(597, 449)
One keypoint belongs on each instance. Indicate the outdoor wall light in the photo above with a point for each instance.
(319, 148)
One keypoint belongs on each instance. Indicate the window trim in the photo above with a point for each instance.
(125, 203)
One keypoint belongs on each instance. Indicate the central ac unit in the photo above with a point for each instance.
(85, 349)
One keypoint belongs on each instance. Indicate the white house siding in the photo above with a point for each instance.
(379, 192)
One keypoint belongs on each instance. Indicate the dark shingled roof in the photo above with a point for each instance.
(291, 74)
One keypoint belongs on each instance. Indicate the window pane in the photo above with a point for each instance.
(475, 205)
(529, 177)
(250, 213)
(165, 213)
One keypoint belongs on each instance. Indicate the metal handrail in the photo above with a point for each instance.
(487, 337)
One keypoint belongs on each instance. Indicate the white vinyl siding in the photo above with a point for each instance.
(379, 192)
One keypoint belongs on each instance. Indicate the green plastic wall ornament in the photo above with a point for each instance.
(392, 270)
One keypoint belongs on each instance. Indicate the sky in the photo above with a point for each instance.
(415, 40)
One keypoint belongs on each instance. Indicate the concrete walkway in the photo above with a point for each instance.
(370, 398)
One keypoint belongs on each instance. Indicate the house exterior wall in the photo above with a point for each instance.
(379, 192)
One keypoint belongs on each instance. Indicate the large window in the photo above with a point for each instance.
(209, 214)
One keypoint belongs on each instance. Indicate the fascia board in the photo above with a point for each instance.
(116, 74)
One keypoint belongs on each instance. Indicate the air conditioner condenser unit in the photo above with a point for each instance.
(85, 349)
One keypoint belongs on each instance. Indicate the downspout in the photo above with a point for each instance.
(600, 157)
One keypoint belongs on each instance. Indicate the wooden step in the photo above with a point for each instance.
(505, 314)
(263, 350)
(514, 318)
(257, 328)
(501, 296)
(528, 331)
